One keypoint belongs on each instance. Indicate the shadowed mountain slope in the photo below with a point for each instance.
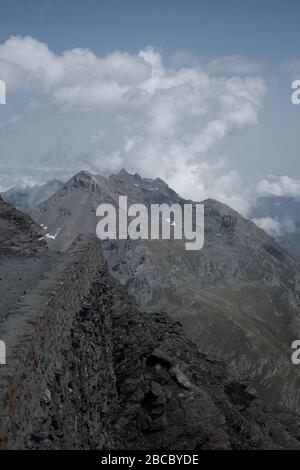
(18, 233)
(238, 297)
(89, 369)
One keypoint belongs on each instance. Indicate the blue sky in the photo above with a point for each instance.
(242, 48)
(266, 29)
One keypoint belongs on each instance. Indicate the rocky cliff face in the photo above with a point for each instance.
(89, 369)
(18, 233)
(58, 384)
(238, 298)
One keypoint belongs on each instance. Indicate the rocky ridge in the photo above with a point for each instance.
(238, 298)
(18, 233)
(87, 368)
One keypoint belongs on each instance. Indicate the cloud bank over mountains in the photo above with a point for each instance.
(274, 227)
(283, 186)
(164, 121)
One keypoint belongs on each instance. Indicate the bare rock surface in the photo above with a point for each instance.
(238, 298)
(18, 233)
(24, 258)
(89, 369)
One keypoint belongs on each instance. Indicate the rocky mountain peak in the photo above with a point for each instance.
(123, 173)
(81, 179)
(227, 294)
(54, 182)
(18, 233)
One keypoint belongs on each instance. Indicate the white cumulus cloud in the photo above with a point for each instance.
(275, 227)
(237, 64)
(169, 122)
(282, 186)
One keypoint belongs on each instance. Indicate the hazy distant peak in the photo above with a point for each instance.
(82, 179)
(83, 174)
(124, 172)
(54, 181)
(124, 175)
(27, 197)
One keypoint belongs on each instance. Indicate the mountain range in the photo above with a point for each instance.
(238, 298)
(87, 368)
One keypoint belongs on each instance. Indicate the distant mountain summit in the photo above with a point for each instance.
(72, 209)
(27, 197)
(238, 298)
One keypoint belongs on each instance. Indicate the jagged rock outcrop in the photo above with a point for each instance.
(89, 369)
(238, 298)
(18, 233)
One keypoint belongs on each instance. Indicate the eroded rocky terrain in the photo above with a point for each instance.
(238, 298)
(87, 368)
